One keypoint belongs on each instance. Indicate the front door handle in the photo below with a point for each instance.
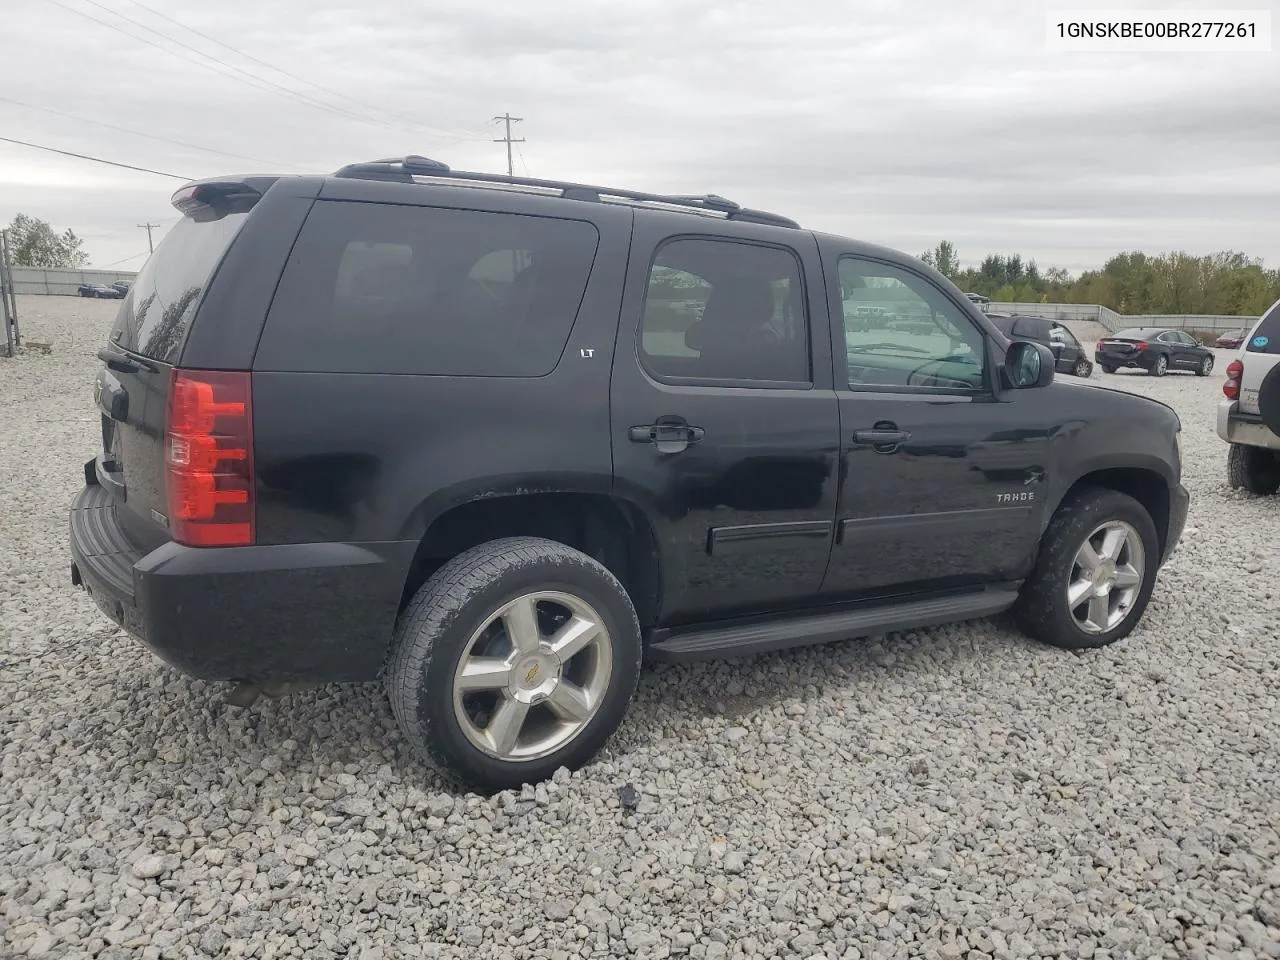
(882, 439)
(668, 434)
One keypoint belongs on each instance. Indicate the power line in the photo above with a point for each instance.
(256, 80)
(509, 119)
(82, 156)
(139, 133)
(240, 74)
(333, 93)
(524, 163)
(114, 263)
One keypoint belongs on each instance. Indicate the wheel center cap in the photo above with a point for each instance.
(1105, 576)
(534, 676)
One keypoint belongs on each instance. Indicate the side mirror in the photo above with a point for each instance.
(693, 336)
(1028, 364)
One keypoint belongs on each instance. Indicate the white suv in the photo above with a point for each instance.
(1249, 417)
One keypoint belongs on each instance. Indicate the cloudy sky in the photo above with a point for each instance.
(902, 122)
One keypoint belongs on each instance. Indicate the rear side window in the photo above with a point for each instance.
(156, 315)
(379, 288)
(720, 310)
(1266, 338)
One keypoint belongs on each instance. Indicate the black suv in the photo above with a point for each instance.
(493, 439)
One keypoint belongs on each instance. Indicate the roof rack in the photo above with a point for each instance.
(408, 169)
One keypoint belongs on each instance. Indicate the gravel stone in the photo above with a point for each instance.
(954, 791)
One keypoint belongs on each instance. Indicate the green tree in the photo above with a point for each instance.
(943, 258)
(35, 244)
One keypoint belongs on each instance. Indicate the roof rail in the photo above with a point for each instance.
(407, 169)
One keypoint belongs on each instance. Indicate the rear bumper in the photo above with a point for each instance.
(1244, 428)
(1140, 361)
(307, 612)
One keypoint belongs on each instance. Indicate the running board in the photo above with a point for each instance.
(762, 637)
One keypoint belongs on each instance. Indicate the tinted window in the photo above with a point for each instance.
(1061, 334)
(1266, 336)
(902, 331)
(1133, 333)
(720, 310)
(155, 316)
(377, 288)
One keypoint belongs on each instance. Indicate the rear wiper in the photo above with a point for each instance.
(123, 363)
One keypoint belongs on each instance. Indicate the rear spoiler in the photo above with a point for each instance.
(205, 200)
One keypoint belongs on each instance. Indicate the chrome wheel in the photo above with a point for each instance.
(1206, 366)
(1106, 577)
(1162, 364)
(1083, 368)
(533, 676)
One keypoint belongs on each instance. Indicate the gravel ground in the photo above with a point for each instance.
(955, 792)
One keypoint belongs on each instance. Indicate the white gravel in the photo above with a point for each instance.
(955, 792)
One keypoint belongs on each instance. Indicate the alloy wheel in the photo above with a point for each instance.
(1106, 577)
(533, 676)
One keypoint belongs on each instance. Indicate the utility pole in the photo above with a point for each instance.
(509, 119)
(148, 227)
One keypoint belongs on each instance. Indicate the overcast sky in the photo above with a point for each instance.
(902, 122)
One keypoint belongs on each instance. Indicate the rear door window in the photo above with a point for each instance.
(380, 288)
(720, 310)
(156, 316)
(1266, 336)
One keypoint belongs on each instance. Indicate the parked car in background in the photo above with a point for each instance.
(1154, 350)
(1068, 354)
(122, 286)
(1249, 414)
(100, 290)
(1232, 339)
(280, 494)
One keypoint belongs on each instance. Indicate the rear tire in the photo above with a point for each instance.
(517, 657)
(1109, 596)
(1084, 368)
(1254, 469)
(1160, 367)
(1106, 368)
(1205, 368)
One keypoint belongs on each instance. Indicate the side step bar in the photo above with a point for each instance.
(763, 637)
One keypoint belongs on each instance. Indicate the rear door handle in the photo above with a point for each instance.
(669, 435)
(882, 440)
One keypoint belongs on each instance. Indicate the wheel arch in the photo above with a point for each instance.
(614, 531)
(1149, 484)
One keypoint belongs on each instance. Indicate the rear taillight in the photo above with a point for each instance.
(209, 458)
(1140, 345)
(1231, 388)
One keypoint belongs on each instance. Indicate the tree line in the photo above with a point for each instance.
(1227, 282)
(34, 243)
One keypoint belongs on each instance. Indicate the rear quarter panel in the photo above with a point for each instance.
(375, 457)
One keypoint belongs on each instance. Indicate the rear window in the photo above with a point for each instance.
(1266, 338)
(156, 315)
(1135, 333)
(380, 288)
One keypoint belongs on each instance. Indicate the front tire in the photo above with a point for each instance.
(1254, 469)
(1160, 367)
(1095, 573)
(1205, 368)
(517, 657)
